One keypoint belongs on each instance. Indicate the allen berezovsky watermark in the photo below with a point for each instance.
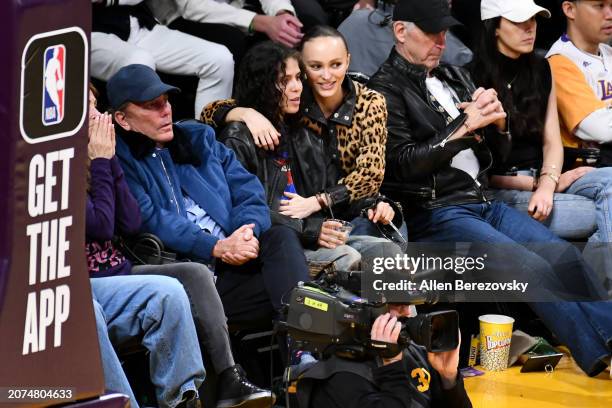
(458, 265)
(457, 285)
(480, 272)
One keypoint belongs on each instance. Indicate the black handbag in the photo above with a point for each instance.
(146, 249)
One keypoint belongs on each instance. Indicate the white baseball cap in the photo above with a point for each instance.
(516, 11)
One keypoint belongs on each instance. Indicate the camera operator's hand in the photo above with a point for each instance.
(446, 364)
(387, 329)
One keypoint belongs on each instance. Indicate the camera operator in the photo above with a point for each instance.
(412, 378)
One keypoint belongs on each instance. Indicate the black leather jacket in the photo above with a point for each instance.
(314, 170)
(419, 172)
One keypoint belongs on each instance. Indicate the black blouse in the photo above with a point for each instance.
(527, 82)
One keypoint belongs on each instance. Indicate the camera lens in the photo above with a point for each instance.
(437, 332)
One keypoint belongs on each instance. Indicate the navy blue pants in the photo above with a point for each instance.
(254, 290)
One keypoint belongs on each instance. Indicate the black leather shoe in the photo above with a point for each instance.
(234, 390)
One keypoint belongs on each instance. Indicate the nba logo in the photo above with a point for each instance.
(54, 82)
(54, 68)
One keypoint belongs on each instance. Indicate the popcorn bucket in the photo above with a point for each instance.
(495, 338)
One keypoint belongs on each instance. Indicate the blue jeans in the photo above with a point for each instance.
(572, 216)
(585, 327)
(114, 376)
(597, 186)
(591, 323)
(155, 308)
(584, 210)
(363, 226)
(343, 257)
(559, 267)
(367, 239)
(206, 308)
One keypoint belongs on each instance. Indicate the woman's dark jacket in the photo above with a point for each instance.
(314, 170)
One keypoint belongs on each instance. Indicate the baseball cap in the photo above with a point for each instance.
(516, 11)
(135, 83)
(431, 16)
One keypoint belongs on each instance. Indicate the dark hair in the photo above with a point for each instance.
(256, 84)
(526, 102)
(180, 148)
(322, 31)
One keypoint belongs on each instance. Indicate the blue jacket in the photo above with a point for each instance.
(220, 185)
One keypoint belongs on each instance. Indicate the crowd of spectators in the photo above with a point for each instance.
(317, 145)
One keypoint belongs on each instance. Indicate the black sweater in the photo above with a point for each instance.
(411, 382)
